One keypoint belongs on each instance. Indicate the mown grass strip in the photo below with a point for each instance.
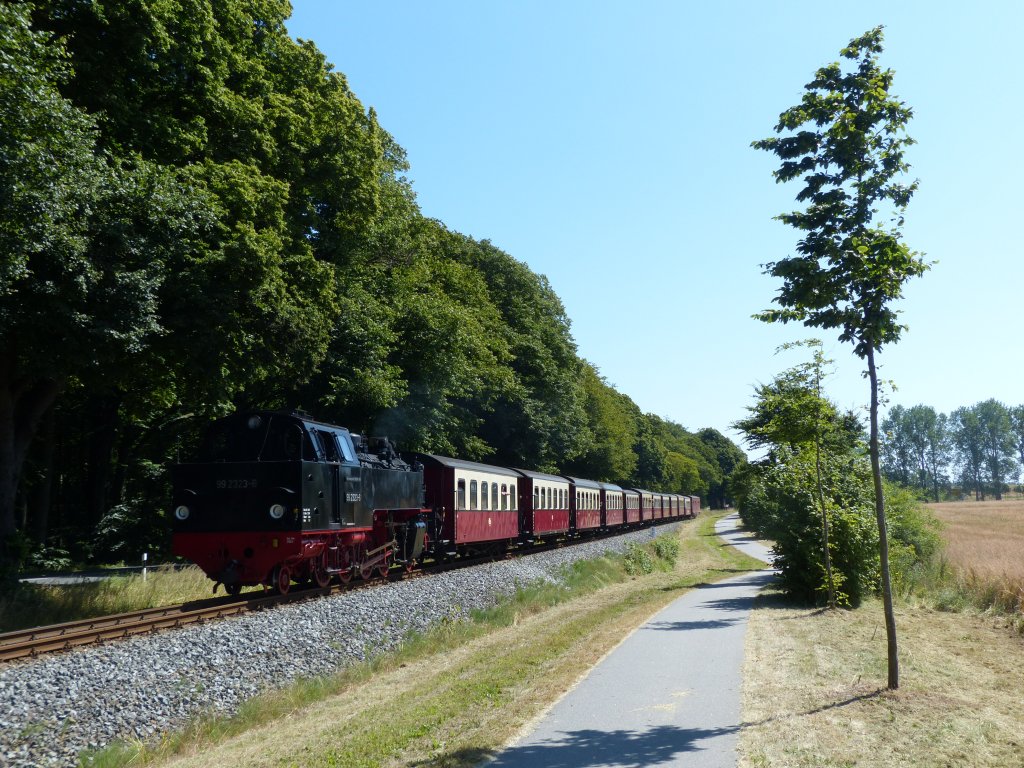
(814, 689)
(455, 694)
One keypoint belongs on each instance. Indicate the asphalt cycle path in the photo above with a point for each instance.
(668, 695)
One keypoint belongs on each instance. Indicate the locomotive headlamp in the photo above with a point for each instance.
(182, 512)
(277, 511)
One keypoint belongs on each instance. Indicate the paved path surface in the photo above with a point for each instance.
(669, 695)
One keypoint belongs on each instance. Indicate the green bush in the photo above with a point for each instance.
(637, 560)
(778, 499)
(667, 548)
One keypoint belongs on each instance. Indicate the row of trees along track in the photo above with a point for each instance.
(200, 216)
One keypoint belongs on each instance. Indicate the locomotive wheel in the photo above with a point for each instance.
(383, 569)
(233, 589)
(319, 570)
(282, 579)
(366, 571)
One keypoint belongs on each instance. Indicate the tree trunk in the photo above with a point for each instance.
(824, 527)
(42, 493)
(883, 531)
(22, 405)
(103, 411)
(821, 493)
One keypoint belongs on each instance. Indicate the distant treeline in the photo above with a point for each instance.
(977, 449)
(199, 215)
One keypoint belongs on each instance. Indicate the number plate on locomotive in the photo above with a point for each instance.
(234, 484)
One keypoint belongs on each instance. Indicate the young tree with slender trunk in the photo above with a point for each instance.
(793, 411)
(845, 141)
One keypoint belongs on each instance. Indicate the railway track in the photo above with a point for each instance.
(74, 634)
(37, 641)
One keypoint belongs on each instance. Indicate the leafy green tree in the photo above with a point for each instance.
(968, 441)
(936, 457)
(792, 412)
(997, 442)
(539, 420)
(87, 244)
(915, 447)
(846, 141)
(1017, 429)
(612, 428)
(49, 175)
(728, 458)
(895, 446)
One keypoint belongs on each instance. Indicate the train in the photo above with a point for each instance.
(275, 498)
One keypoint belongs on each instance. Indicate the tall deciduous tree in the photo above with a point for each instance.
(997, 442)
(1017, 425)
(845, 141)
(895, 446)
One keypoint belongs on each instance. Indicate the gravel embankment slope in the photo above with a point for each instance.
(56, 706)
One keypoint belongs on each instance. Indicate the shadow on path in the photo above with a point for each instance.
(591, 749)
(672, 626)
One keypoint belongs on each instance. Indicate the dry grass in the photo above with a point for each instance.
(983, 562)
(986, 537)
(813, 690)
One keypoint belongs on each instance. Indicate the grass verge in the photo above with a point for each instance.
(813, 691)
(453, 696)
(33, 605)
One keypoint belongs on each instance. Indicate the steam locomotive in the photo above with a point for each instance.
(277, 497)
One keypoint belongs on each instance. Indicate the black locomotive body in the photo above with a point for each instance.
(274, 497)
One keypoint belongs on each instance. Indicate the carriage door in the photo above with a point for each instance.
(333, 469)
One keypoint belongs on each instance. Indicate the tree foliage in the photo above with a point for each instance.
(199, 215)
(976, 448)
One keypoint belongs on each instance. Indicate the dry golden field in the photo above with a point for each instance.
(985, 538)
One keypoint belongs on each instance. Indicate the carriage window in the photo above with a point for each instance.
(484, 496)
(472, 495)
(536, 497)
(494, 497)
(512, 491)
(461, 500)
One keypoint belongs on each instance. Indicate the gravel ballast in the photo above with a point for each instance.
(54, 707)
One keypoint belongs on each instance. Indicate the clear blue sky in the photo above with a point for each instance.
(607, 145)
